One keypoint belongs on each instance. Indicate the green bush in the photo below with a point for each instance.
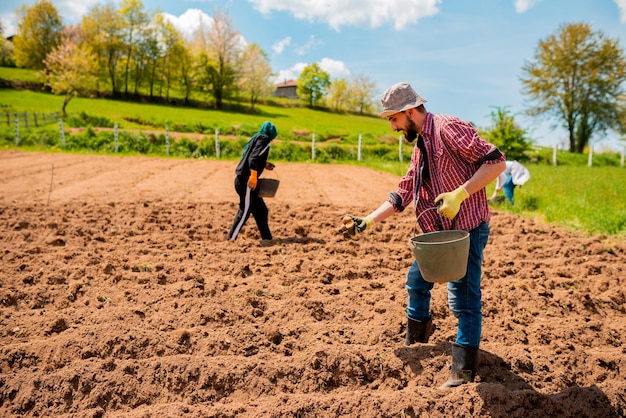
(90, 140)
(233, 149)
(290, 151)
(40, 137)
(184, 147)
(82, 119)
(339, 152)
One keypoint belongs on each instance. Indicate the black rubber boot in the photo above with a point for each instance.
(464, 364)
(418, 331)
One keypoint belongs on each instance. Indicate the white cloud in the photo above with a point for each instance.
(334, 68)
(337, 13)
(621, 5)
(522, 6)
(74, 10)
(290, 73)
(9, 24)
(279, 46)
(310, 44)
(190, 21)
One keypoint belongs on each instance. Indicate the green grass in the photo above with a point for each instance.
(590, 199)
(292, 123)
(8, 73)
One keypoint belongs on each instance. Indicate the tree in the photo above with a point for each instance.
(38, 33)
(312, 84)
(6, 50)
(148, 56)
(362, 93)
(175, 58)
(507, 135)
(254, 73)
(622, 121)
(186, 70)
(135, 21)
(221, 47)
(102, 31)
(70, 70)
(338, 94)
(577, 77)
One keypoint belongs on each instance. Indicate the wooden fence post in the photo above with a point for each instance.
(358, 153)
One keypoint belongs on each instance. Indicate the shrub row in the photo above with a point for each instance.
(297, 149)
(96, 141)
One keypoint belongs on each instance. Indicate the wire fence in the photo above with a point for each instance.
(28, 120)
(33, 119)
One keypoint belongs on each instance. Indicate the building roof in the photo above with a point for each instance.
(287, 83)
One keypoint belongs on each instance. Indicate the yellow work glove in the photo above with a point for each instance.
(351, 226)
(451, 202)
(252, 179)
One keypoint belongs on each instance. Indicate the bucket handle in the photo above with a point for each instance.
(415, 227)
(270, 173)
(423, 212)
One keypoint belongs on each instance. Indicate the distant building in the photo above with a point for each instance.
(286, 89)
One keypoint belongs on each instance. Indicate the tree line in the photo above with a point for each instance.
(127, 51)
(576, 77)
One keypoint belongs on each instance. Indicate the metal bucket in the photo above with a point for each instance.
(441, 256)
(267, 187)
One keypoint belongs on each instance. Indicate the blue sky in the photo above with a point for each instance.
(463, 56)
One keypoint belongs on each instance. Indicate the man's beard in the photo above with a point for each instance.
(410, 131)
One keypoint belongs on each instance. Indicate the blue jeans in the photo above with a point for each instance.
(464, 295)
(508, 188)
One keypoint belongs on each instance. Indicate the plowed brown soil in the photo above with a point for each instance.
(120, 297)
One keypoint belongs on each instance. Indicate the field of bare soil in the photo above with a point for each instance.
(120, 297)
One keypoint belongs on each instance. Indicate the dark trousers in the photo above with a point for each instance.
(249, 203)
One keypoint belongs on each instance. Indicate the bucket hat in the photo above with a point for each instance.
(399, 98)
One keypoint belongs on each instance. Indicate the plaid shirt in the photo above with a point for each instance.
(454, 153)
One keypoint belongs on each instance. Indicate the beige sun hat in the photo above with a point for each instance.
(399, 98)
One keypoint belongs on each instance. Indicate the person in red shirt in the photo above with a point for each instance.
(450, 167)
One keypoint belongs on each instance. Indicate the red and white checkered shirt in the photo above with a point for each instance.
(454, 152)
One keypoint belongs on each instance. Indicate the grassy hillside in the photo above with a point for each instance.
(9, 73)
(291, 122)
